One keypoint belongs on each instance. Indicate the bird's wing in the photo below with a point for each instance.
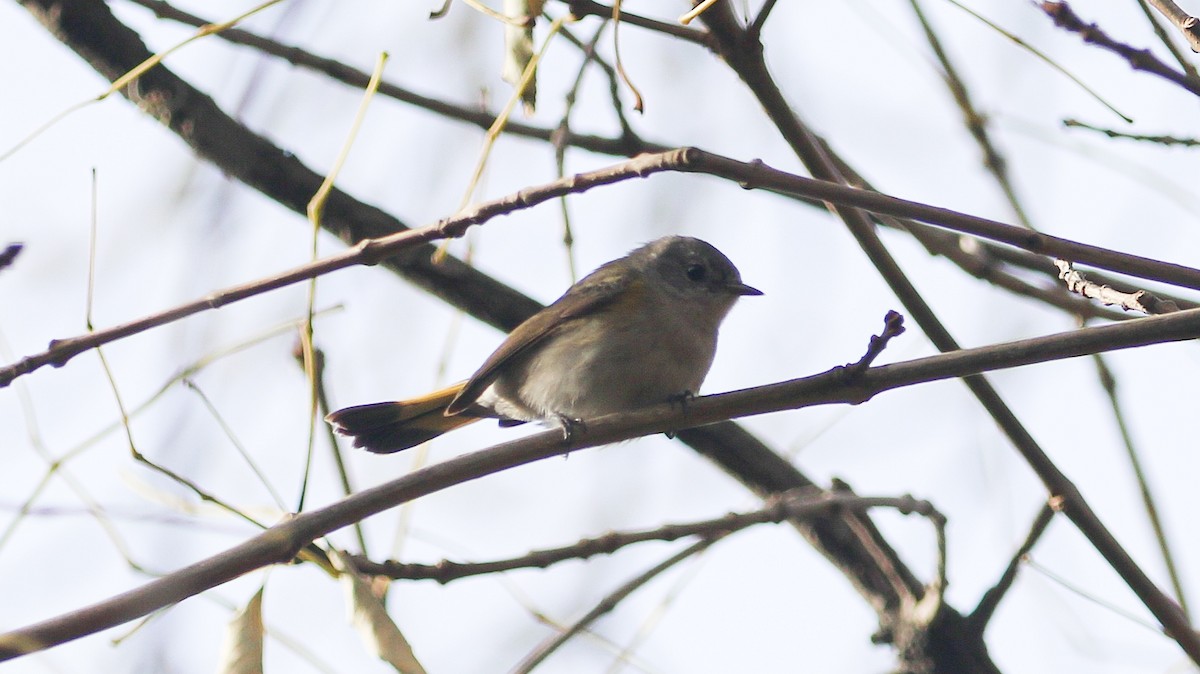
(592, 294)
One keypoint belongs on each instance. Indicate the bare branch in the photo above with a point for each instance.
(1186, 23)
(982, 614)
(748, 63)
(366, 252)
(893, 326)
(1109, 381)
(760, 20)
(1165, 38)
(582, 8)
(1141, 300)
(798, 504)
(624, 146)
(608, 603)
(758, 175)
(282, 542)
(787, 506)
(1138, 59)
(9, 254)
(690, 160)
(1113, 133)
(976, 123)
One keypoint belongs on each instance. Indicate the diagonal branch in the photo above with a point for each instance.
(797, 504)
(983, 612)
(784, 506)
(1186, 23)
(689, 160)
(626, 144)
(610, 602)
(90, 29)
(976, 123)
(582, 8)
(746, 60)
(280, 543)
(1139, 59)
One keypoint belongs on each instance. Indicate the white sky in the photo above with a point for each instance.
(172, 228)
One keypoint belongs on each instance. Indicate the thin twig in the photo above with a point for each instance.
(1109, 381)
(564, 128)
(754, 31)
(502, 119)
(1021, 259)
(1138, 59)
(136, 454)
(1078, 591)
(639, 103)
(694, 13)
(1186, 23)
(893, 326)
(1165, 38)
(982, 615)
(750, 66)
(614, 85)
(9, 254)
(237, 445)
(1140, 300)
(1040, 55)
(976, 123)
(607, 604)
(58, 467)
(335, 448)
(341, 72)
(315, 211)
(1113, 133)
(120, 83)
(582, 8)
(785, 506)
(689, 160)
(281, 543)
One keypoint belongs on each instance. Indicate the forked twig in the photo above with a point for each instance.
(893, 326)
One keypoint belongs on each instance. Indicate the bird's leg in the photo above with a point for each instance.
(569, 425)
(682, 399)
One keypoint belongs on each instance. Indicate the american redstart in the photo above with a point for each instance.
(639, 330)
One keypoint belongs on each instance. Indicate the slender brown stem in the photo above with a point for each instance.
(691, 160)
(282, 542)
(747, 61)
(983, 612)
(1109, 382)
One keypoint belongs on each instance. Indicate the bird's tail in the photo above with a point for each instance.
(389, 427)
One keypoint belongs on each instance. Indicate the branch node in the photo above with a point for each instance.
(893, 325)
(10, 253)
(1140, 300)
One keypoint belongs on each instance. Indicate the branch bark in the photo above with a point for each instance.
(282, 542)
(745, 57)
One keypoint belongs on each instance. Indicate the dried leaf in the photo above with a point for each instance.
(370, 618)
(242, 651)
(518, 48)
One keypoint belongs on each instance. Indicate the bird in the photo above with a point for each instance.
(639, 330)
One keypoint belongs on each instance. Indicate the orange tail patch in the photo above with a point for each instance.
(389, 427)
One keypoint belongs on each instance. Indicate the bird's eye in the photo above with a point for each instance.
(697, 272)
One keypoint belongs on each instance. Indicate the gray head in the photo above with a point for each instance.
(694, 271)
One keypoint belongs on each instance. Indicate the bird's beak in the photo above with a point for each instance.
(740, 288)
